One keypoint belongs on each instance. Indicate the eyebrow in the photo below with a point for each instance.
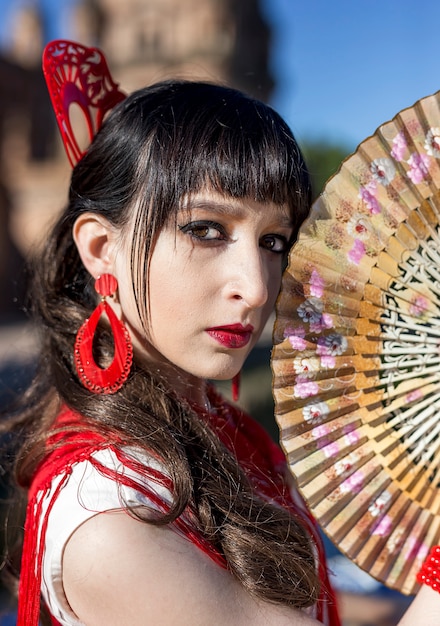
(226, 208)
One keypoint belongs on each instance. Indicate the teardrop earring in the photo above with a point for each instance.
(95, 378)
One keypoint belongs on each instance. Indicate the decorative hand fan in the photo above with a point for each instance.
(356, 360)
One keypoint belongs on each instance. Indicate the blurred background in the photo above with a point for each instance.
(334, 70)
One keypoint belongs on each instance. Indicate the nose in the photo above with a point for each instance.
(250, 277)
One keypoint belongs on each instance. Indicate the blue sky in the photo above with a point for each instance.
(344, 67)
(56, 16)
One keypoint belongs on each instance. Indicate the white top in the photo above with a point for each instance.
(87, 493)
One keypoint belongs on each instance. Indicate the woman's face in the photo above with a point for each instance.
(213, 280)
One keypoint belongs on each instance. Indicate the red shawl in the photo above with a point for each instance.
(262, 460)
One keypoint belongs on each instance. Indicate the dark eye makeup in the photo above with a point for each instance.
(204, 230)
(209, 230)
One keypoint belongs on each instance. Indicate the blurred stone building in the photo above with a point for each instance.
(144, 41)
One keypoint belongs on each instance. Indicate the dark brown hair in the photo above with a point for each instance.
(157, 147)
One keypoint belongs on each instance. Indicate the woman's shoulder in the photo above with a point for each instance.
(92, 488)
(119, 570)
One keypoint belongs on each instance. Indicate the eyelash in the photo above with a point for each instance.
(192, 227)
(280, 239)
(207, 225)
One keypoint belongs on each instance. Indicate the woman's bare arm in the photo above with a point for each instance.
(424, 610)
(117, 570)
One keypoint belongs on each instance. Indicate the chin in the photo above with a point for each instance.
(222, 369)
(225, 374)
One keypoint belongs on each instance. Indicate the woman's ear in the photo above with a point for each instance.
(95, 239)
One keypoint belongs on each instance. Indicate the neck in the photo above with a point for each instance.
(183, 384)
(192, 389)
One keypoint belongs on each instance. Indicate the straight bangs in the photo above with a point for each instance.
(213, 136)
(242, 152)
(260, 162)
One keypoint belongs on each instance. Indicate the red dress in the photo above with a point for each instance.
(262, 460)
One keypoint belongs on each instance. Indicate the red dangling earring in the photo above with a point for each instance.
(236, 387)
(93, 377)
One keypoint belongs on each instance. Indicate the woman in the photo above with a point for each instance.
(151, 499)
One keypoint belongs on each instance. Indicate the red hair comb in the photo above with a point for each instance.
(78, 75)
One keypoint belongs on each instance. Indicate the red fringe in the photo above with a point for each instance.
(259, 456)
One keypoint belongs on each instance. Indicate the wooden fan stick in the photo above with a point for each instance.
(370, 540)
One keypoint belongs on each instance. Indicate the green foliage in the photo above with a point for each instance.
(323, 160)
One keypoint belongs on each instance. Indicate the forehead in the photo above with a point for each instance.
(213, 201)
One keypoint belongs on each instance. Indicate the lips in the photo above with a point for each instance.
(232, 336)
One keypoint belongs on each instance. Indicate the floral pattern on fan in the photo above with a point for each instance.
(357, 350)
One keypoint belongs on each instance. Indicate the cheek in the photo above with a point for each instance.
(274, 285)
(169, 301)
(273, 289)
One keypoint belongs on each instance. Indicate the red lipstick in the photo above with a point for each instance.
(231, 336)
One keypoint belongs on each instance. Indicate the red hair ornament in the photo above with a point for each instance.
(78, 75)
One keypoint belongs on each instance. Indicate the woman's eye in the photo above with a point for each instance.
(275, 243)
(204, 231)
